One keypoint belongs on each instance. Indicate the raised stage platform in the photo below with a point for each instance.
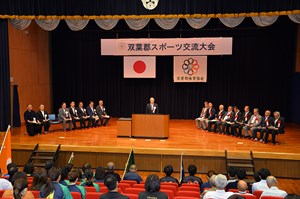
(206, 150)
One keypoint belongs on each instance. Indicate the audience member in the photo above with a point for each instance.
(236, 196)
(242, 187)
(232, 181)
(207, 184)
(133, 175)
(99, 174)
(241, 174)
(152, 187)
(111, 171)
(262, 184)
(48, 165)
(221, 182)
(86, 166)
(192, 178)
(12, 169)
(111, 184)
(20, 189)
(89, 178)
(39, 179)
(73, 179)
(212, 183)
(5, 184)
(64, 176)
(29, 169)
(292, 196)
(168, 178)
(273, 188)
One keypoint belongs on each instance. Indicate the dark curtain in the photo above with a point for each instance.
(16, 107)
(295, 99)
(135, 7)
(4, 77)
(258, 73)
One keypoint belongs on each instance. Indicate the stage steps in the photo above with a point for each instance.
(40, 156)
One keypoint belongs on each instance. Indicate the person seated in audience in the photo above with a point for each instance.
(82, 114)
(111, 183)
(238, 126)
(65, 116)
(262, 184)
(217, 122)
(133, 175)
(33, 125)
(207, 184)
(226, 121)
(29, 169)
(99, 174)
(238, 117)
(20, 189)
(48, 165)
(64, 176)
(252, 123)
(210, 115)
(111, 171)
(73, 179)
(273, 188)
(52, 189)
(101, 111)
(93, 116)
(277, 127)
(221, 182)
(266, 121)
(200, 121)
(5, 184)
(232, 179)
(192, 178)
(212, 186)
(292, 196)
(242, 187)
(39, 179)
(74, 114)
(84, 167)
(168, 178)
(12, 169)
(152, 187)
(236, 196)
(43, 118)
(89, 178)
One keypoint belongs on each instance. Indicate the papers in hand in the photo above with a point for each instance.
(271, 127)
(106, 116)
(230, 122)
(214, 120)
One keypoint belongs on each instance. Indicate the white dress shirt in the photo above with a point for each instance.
(5, 184)
(261, 185)
(218, 194)
(274, 191)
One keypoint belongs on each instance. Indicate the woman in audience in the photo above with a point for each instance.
(29, 169)
(100, 174)
(89, 177)
(152, 187)
(20, 189)
(64, 176)
(39, 180)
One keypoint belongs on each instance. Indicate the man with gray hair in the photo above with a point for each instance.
(252, 123)
(132, 174)
(111, 171)
(273, 189)
(221, 182)
(277, 127)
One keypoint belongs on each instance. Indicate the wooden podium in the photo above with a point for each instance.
(150, 126)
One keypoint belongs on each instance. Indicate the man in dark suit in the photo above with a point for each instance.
(101, 111)
(94, 118)
(152, 108)
(65, 116)
(210, 114)
(217, 120)
(277, 127)
(238, 117)
(74, 114)
(238, 126)
(82, 115)
(43, 118)
(33, 125)
(265, 122)
(228, 118)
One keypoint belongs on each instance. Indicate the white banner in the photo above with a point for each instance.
(190, 69)
(139, 67)
(167, 46)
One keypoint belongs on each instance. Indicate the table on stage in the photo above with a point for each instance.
(150, 126)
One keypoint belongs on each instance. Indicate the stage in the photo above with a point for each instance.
(101, 144)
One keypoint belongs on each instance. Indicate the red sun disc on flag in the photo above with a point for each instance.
(139, 66)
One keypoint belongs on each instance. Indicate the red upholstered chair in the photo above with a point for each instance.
(101, 184)
(103, 190)
(139, 186)
(169, 187)
(123, 186)
(189, 194)
(189, 188)
(190, 185)
(93, 195)
(169, 184)
(271, 197)
(183, 197)
(36, 193)
(233, 190)
(131, 196)
(76, 195)
(90, 189)
(249, 196)
(131, 182)
(78, 183)
(142, 182)
(134, 190)
(257, 193)
(168, 192)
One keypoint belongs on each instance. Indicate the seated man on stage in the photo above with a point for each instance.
(74, 114)
(94, 118)
(252, 123)
(82, 115)
(33, 125)
(277, 127)
(43, 118)
(238, 126)
(211, 114)
(152, 108)
(238, 117)
(101, 111)
(226, 121)
(65, 116)
(217, 120)
(201, 120)
(266, 121)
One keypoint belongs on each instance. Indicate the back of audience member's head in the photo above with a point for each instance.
(152, 183)
(168, 170)
(39, 179)
(73, 175)
(100, 173)
(111, 182)
(18, 175)
(192, 169)
(236, 196)
(132, 168)
(292, 196)
(85, 166)
(12, 169)
(256, 177)
(241, 174)
(231, 172)
(80, 174)
(271, 181)
(242, 186)
(110, 167)
(49, 164)
(64, 173)
(210, 173)
(212, 180)
(69, 167)
(89, 175)
(54, 174)
(221, 181)
(264, 173)
(29, 168)
(20, 188)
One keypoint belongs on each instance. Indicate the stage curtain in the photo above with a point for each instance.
(77, 24)
(197, 23)
(295, 18)
(137, 24)
(106, 24)
(232, 22)
(47, 24)
(264, 20)
(16, 107)
(167, 24)
(4, 77)
(20, 24)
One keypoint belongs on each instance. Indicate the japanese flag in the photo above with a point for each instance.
(139, 67)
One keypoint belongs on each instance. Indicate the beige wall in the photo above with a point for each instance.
(29, 66)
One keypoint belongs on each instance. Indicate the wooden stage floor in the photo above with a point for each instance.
(183, 137)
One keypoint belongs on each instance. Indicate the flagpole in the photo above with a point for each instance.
(2, 145)
(127, 163)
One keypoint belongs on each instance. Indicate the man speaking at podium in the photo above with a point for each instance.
(152, 108)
